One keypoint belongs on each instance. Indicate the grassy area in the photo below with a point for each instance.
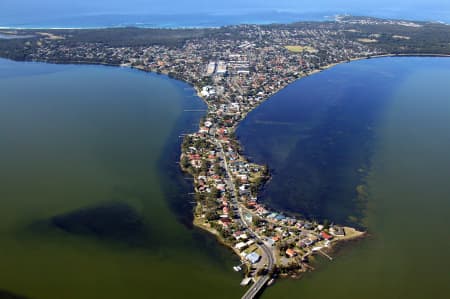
(351, 233)
(299, 49)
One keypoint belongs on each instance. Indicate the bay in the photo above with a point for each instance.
(77, 137)
(95, 146)
(406, 103)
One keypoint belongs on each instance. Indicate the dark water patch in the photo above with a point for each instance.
(73, 138)
(8, 295)
(178, 186)
(326, 163)
(112, 221)
(317, 136)
(406, 255)
(178, 191)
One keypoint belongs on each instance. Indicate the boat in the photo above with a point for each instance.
(270, 282)
(246, 281)
(237, 268)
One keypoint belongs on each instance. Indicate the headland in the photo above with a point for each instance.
(234, 69)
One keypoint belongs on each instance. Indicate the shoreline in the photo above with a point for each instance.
(199, 221)
(204, 225)
(354, 234)
(234, 70)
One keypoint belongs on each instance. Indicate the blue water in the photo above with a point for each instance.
(199, 13)
(406, 255)
(317, 136)
(189, 20)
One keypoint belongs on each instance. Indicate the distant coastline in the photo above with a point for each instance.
(226, 184)
(193, 20)
(182, 20)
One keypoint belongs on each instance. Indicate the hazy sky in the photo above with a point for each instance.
(33, 9)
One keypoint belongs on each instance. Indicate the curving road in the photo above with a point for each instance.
(266, 250)
(262, 281)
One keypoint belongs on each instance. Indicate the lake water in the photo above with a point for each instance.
(97, 147)
(316, 136)
(381, 122)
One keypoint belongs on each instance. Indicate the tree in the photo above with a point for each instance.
(261, 272)
(185, 162)
(283, 246)
(326, 223)
(211, 215)
(274, 271)
(266, 170)
(215, 193)
(256, 221)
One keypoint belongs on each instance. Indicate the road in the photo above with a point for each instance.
(256, 287)
(265, 249)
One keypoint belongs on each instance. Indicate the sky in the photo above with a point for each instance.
(32, 10)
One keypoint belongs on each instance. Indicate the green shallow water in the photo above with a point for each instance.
(77, 136)
(408, 252)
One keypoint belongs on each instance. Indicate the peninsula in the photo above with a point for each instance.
(234, 69)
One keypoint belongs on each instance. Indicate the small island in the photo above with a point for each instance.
(234, 69)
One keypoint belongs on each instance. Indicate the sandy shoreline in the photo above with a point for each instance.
(350, 233)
